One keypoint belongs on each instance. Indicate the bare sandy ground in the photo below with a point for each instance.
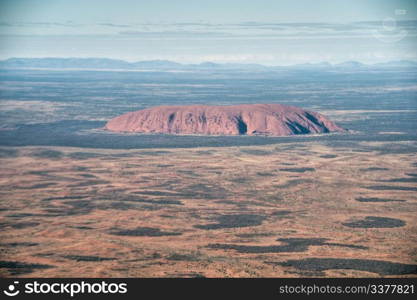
(290, 210)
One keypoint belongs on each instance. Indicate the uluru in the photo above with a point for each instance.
(245, 119)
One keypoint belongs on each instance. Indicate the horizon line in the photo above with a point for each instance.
(323, 62)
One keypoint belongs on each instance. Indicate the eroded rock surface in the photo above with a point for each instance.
(246, 119)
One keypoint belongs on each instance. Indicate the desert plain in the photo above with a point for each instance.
(296, 209)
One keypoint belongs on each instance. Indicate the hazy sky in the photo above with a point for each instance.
(192, 31)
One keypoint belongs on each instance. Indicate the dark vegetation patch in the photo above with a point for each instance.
(164, 165)
(81, 169)
(143, 231)
(22, 215)
(167, 216)
(154, 152)
(18, 244)
(65, 211)
(182, 257)
(16, 268)
(159, 193)
(100, 170)
(216, 172)
(83, 227)
(239, 179)
(21, 225)
(84, 155)
(8, 153)
(328, 156)
(85, 175)
(290, 245)
(205, 152)
(150, 207)
(118, 206)
(87, 258)
(374, 169)
(155, 255)
(234, 221)
(297, 170)
(160, 201)
(37, 186)
(186, 172)
(375, 222)
(391, 188)
(46, 153)
(281, 213)
(378, 200)
(83, 207)
(255, 152)
(405, 179)
(132, 166)
(3, 225)
(40, 173)
(44, 254)
(362, 150)
(88, 183)
(254, 235)
(411, 174)
(241, 204)
(265, 174)
(64, 198)
(374, 266)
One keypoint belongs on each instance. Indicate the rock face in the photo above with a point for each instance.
(246, 119)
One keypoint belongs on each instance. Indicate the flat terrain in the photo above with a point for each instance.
(286, 210)
(75, 202)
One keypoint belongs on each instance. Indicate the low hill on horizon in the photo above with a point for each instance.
(113, 64)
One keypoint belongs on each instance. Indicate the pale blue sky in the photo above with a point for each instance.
(263, 31)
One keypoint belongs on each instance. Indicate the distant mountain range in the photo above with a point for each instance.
(165, 65)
